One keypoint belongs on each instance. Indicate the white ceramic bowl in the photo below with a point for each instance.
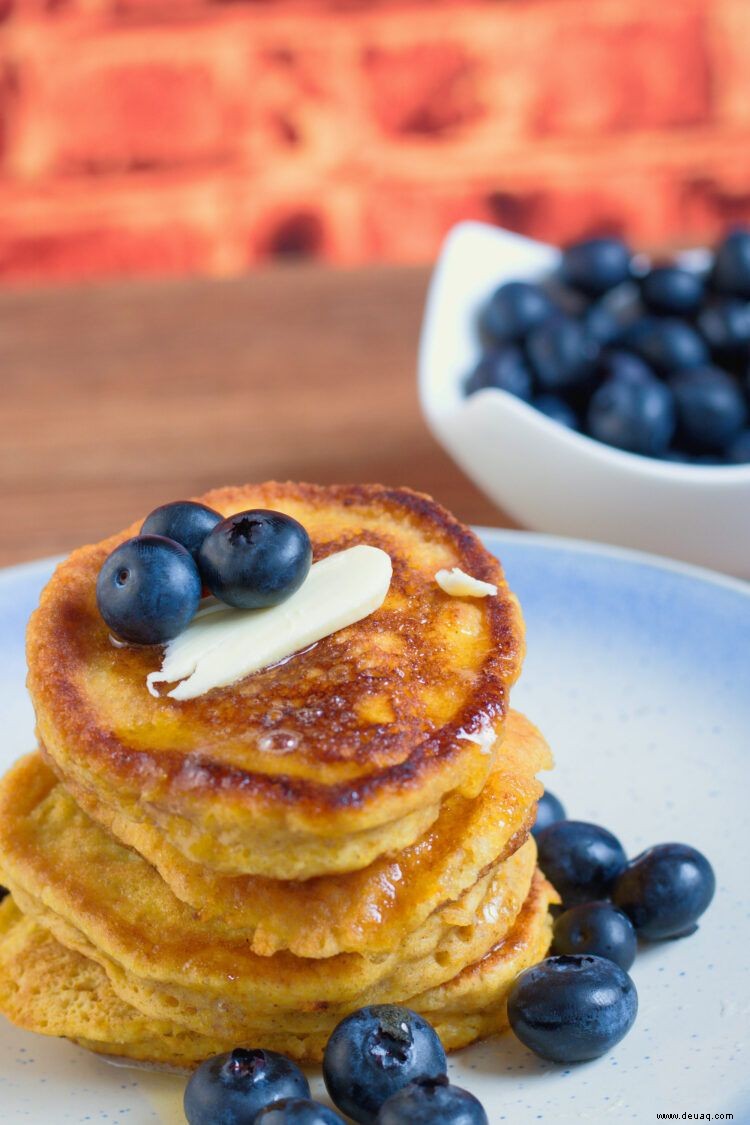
(546, 476)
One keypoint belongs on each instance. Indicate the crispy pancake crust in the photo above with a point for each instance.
(380, 710)
(103, 900)
(372, 910)
(47, 988)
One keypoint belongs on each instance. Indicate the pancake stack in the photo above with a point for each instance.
(247, 867)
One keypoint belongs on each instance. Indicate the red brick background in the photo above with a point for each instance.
(205, 136)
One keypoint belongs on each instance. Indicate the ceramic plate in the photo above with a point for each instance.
(638, 672)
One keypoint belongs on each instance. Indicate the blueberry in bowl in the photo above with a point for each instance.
(672, 291)
(711, 411)
(513, 310)
(596, 265)
(547, 462)
(506, 369)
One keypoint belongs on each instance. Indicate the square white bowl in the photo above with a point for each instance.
(547, 476)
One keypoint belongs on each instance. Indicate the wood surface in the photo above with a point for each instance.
(120, 397)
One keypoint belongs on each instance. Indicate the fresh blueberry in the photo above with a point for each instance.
(625, 367)
(432, 1101)
(148, 590)
(666, 344)
(581, 860)
(375, 1052)
(671, 291)
(738, 451)
(598, 928)
(549, 810)
(563, 353)
(557, 409)
(725, 325)
(569, 1009)
(665, 890)
(255, 559)
(297, 1111)
(184, 521)
(596, 265)
(505, 369)
(711, 411)
(639, 418)
(231, 1089)
(513, 310)
(731, 269)
(602, 323)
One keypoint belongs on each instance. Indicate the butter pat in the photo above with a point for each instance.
(222, 645)
(461, 585)
(485, 737)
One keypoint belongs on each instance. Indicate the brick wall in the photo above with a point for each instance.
(179, 136)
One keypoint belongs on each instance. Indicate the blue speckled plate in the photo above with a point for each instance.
(638, 672)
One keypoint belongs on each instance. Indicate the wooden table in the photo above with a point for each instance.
(117, 398)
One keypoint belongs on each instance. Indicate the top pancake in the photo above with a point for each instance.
(317, 765)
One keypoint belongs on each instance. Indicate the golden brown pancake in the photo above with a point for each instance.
(105, 901)
(48, 988)
(372, 910)
(378, 714)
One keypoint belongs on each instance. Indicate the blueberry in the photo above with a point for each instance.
(505, 369)
(738, 451)
(667, 344)
(557, 409)
(255, 559)
(671, 291)
(432, 1101)
(148, 590)
(569, 1009)
(731, 269)
(598, 928)
(297, 1111)
(710, 407)
(725, 325)
(549, 810)
(665, 890)
(231, 1089)
(375, 1052)
(563, 353)
(639, 418)
(513, 310)
(601, 322)
(596, 265)
(184, 521)
(625, 367)
(581, 860)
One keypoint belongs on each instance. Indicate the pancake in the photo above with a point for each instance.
(323, 763)
(105, 901)
(47, 988)
(372, 910)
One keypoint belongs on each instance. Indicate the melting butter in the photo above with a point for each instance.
(461, 585)
(222, 645)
